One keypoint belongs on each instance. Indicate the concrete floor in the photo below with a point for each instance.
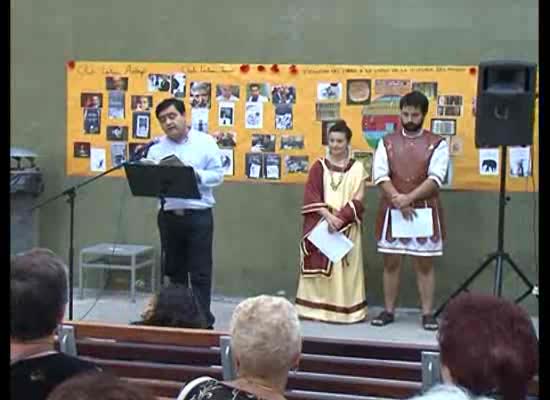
(116, 307)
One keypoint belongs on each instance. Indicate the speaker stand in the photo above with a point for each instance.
(500, 256)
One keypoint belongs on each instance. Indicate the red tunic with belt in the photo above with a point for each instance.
(408, 163)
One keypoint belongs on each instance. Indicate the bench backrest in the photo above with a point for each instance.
(164, 359)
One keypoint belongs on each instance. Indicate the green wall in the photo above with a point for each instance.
(258, 226)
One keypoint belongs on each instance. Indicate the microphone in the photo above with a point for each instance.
(142, 151)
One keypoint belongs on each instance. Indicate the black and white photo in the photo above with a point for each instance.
(264, 143)
(141, 125)
(272, 166)
(443, 126)
(81, 150)
(283, 117)
(297, 164)
(292, 142)
(117, 133)
(253, 165)
(226, 111)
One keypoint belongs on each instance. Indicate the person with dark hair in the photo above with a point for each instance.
(255, 95)
(186, 226)
(488, 347)
(99, 386)
(38, 297)
(333, 291)
(409, 167)
(175, 306)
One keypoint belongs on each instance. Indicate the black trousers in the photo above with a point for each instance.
(187, 244)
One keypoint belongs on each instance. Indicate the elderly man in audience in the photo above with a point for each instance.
(488, 348)
(38, 296)
(266, 343)
(99, 386)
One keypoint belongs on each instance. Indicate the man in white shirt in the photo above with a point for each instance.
(186, 226)
(410, 165)
(226, 94)
(255, 95)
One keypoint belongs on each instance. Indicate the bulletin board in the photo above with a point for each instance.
(271, 121)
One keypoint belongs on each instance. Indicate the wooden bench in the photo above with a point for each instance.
(164, 359)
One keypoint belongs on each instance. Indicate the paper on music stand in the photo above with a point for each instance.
(420, 226)
(333, 245)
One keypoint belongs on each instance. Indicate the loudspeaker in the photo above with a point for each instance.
(505, 103)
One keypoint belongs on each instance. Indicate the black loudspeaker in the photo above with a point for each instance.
(505, 103)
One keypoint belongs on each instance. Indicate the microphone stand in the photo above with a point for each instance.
(71, 195)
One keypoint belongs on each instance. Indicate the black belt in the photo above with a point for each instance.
(187, 211)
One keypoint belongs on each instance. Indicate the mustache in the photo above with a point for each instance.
(411, 126)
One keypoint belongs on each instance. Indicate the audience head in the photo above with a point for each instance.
(265, 338)
(38, 294)
(488, 344)
(95, 386)
(175, 306)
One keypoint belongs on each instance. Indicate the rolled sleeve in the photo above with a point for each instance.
(439, 163)
(380, 168)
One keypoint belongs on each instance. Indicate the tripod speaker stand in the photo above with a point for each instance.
(505, 111)
(500, 255)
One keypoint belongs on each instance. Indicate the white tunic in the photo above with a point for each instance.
(437, 170)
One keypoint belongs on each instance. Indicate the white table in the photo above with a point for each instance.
(126, 257)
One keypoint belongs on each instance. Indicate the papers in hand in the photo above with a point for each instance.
(171, 160)
(420, 226)
(333, 245)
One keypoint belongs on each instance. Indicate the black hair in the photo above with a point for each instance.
(415, 99)
(176, 306)
(342, 127)
(166, 103)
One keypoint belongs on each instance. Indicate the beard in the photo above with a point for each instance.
(412, 127)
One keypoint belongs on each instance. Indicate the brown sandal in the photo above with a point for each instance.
(384, 318)
(429, 322)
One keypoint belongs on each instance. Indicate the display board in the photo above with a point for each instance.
(271, 121)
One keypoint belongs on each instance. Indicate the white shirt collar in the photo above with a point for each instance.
(420, 132)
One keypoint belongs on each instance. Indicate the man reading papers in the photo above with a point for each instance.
(188, 224)
(409, 167)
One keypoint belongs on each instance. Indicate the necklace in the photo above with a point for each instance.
(334, 185)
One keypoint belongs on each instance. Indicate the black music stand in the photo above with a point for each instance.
(161, 181)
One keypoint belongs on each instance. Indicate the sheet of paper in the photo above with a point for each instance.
(255, 170)
(254, 116)
(199, 119)
(520, 161)
(488, 162)
(333, 245)
(420, 226)
(272, 171)
(98, 160)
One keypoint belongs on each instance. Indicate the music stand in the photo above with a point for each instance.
(161, 181)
